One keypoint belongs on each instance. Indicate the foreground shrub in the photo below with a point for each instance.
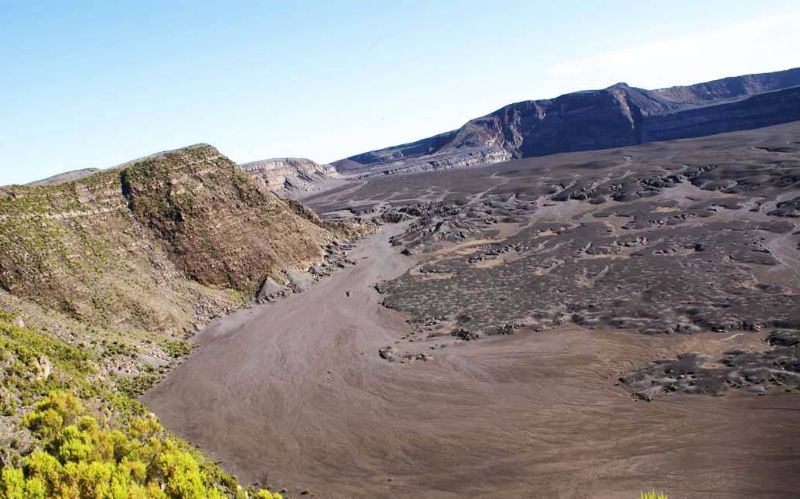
(652, 495)
(80, 459)
(78, 432)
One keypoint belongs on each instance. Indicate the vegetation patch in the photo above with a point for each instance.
(79, 433)
(177, 348)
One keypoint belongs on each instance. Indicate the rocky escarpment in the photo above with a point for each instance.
(616, 116)
(158, 245)
(463, 158)
(285, 175)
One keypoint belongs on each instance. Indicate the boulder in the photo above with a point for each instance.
(270, 290)
(388, 353)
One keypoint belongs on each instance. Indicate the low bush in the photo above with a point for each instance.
(652, 495)
(79, 458)
(84, 435)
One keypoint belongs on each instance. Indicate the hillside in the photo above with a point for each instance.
(154, 246)
(619, 115)
(102, 281)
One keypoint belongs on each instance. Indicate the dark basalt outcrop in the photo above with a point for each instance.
(619, 115)
(789, 208)
(692, 373)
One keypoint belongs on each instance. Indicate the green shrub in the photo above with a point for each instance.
(80, 458)
(136, 385)
(177, 348)
(652, 495)
(92, 438)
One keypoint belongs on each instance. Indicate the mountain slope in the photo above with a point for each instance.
(616, 116)
(103, 278)
(157, 245)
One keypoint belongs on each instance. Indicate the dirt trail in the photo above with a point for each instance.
(294, 394)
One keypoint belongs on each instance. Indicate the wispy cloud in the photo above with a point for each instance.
(759, 44)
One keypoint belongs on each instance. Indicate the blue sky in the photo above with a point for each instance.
(96, 83)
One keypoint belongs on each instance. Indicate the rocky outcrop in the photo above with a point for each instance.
(285, 175)
(159, 244)
(464, 158)
(754, 371)
(616, 116)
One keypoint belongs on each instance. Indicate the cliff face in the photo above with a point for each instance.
(616, 116)
(285, 175)
(577, 122)
(466, 157)
(727, 89)
(173, 238)
(762, 110)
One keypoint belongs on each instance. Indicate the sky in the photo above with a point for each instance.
(97, 83)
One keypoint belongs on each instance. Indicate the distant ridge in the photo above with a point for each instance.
(72, 175)
(281, 175)
(619, 115)
(66, 177)
(286, 175)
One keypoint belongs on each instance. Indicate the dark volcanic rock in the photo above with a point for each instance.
(466, 334)
(270, 291)
(784, 338)
(685, 240)
(691, 373)
(789, 208)
(388, 353)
